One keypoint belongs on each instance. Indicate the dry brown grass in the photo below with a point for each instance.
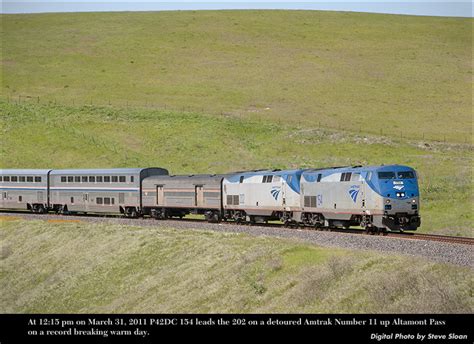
(99, 268)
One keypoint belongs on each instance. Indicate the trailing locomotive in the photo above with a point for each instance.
(377, 198)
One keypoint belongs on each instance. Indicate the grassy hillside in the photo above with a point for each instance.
(42, 136)
(91, 268)
(399, 75)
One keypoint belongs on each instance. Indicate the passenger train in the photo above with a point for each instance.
(377, 198)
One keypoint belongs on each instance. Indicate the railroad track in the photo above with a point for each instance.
(408, 236)
(434, 237)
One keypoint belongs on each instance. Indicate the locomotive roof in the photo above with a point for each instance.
(358, 167)
(268, 171)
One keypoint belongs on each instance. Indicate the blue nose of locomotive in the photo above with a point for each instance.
(397, 182)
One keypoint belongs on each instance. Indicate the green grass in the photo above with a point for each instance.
(48, 136)
(96, 268)
(399, 75)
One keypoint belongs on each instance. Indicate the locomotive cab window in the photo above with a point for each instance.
(241, 180)
(406, 175)
(319, 177)
(386, 175)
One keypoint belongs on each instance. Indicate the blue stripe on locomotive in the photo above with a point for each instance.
(292, 177)
(383, 187)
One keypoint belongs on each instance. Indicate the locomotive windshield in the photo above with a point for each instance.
(386, 175)
(406, 175)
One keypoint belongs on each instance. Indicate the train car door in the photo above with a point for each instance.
(160, 195)
(199, 196)
(40, 197)
(85, 201)
(365, 191)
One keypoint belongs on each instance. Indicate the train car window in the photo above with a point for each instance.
(241, 179)
(20, 198)
(106, 200)
(37, 179)
(70, 179)
(229, 199)
(112, 200)
(98, 200)
(114, 179)
(386, 175)
(29, 179)
(77, 179)
(1, 178)
(122, 179)
(84, 179)
(72, 200)
(6, 178)
(131, 179)
(22, 179)
(406, 175)
(98, 179)
(106, 179)
(14, 178)
(91, 179)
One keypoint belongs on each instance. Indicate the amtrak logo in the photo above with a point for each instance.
(398, 185)
(354, 192)
(275, 192)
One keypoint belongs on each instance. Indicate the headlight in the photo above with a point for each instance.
(387, 201)
(413, 201)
